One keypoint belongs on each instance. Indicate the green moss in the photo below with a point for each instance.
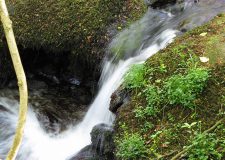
(66, 25)
(58, 25)
(166, 132)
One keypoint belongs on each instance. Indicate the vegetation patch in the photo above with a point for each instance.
(135, 77)
(132, 146)
(182, 89)
(177, 104)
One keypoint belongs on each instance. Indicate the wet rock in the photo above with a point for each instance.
(85, 154)
(4, 109)
(102, 141)
(118, 98)
(74, 81)
(102, 145)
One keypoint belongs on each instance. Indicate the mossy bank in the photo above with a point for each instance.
(177, 100)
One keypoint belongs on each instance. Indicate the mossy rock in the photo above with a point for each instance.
(61, 27)
(65, 25)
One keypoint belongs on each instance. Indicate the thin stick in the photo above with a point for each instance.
(7, 25)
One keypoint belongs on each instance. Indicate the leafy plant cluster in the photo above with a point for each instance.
(131, 147)
(178, 89)
(183, 89)
(153, 100)
(204, 147)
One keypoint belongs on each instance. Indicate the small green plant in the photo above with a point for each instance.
(183, 89)
(152, 95)
(139, 112)
(204, 147)
(135, 78)
(131, 147)
(147, 126)
(179, 50)
(162, 68)
(189, 126)
(171, 117)
(152, 98)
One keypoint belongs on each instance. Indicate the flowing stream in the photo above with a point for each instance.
(134, 45)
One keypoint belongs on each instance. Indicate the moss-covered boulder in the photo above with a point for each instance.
(178, 112)
(76, 29)
(64, 25)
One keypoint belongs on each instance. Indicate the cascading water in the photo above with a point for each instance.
(134, 45)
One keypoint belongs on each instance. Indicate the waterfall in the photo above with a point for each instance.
(134, 45)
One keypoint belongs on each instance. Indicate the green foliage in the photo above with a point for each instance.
(183, 89)
(153, 99)
(152, 95)
(135, 78)
(131, 147)
(162, 68)
(147, 126)
(204, 147)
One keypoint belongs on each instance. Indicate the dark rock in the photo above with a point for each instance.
(36, 85)
(102, 146)
(13, 84)
(118, 98)
(85, 154)
(159, 3)
(7, 71)
(4, 109)
(162, 4)
(50, 79)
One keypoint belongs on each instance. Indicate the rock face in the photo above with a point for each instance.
(102, 145)
(118, 98)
